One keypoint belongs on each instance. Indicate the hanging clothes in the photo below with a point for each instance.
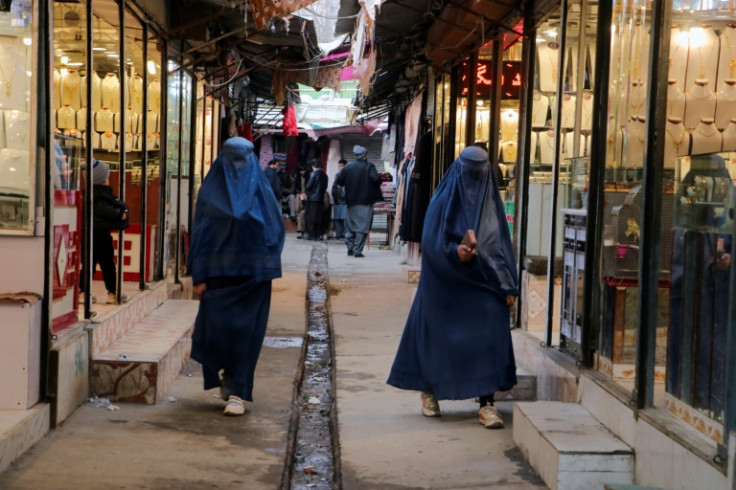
(290, 127)
(418, 190)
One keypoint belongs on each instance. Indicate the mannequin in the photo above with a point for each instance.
(676, 141)
(154, 97)
(509, 124)
(702, 60)
(17, 129)
(546, 146)
(699, 103)
(534, 145)
(96, 143)
(108, 141)
(675, 100)
(726, 103)
(57, 90)
(729, 136)
(548, 66)
(586, 122)
(635, 142)
(65, 117)
(96, 92)
(637, 98)
(568, 145)
(568, 111)
(136, 94)
(509, 152)
(110, 88)
(640, 55)
(540, 108)
(152, 121)
(706, 138)
(70, 90)
(131, 119)
(727, 58)
(104, 120)
(81, 117)
(129, 143)
(679, 45)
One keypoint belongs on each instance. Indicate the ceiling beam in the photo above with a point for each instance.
(196, 23)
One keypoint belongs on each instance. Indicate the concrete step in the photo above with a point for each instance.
(106, 329)
(524, 391)
(569, 448)
(21, 429)
(142, 364)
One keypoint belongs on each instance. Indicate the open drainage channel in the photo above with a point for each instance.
(313, 459)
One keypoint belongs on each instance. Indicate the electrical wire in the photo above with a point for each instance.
(237, 70)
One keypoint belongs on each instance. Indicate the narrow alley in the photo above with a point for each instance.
(185, 442)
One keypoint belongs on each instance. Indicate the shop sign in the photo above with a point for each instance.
(510, 80)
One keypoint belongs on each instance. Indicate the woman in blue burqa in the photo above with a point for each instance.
(457, 341)
(237, 238)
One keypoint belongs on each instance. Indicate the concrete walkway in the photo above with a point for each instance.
(385, 443)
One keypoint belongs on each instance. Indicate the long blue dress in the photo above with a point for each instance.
(237, 238)
(457, 341)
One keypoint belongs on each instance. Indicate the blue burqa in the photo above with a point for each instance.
(237, 238)
(457, 341)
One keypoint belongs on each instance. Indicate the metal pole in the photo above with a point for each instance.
(555, 179)
(496, 92)
(472, 86)
(651, 206)
(89, 160)
(121, 144)
(144, 168)
(163, 123)
(177, 239)
(192, 150)
(524, 165)
(596, 177)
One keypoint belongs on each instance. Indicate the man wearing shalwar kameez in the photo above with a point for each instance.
(457, 341)
(237, 238)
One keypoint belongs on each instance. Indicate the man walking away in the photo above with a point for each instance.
(339, 208)
(315, 188)
(362, 188)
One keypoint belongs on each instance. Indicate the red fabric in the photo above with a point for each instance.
(290, 128)
(244, 131)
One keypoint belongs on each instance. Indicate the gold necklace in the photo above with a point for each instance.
(731, 55)
(701, 55)
(552, 61)
(711, 126)
(677, 142)
(7, 82)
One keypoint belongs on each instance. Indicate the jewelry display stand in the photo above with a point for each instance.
(729, 136)
(726, 103)
(154, 97)
(110, 88)
(676, 142)
(17, 129)
(586, 123)
(81, 119)
(548, 54)
(540, 109)
(635, 142)
(104, 121)
(136, 94)
(702, 59)
(568, 111)
(700, 102)
(675, 100)
(66, 117)
(15, 172)
(509, 124)
(727, 58)
(679, 46)
(706, 138)
(13, 74)
(70, 94)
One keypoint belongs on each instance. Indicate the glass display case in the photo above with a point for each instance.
(17, 131)
(705, 194)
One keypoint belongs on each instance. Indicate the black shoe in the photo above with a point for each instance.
(359, 255)
(299, 235)
(350, 252)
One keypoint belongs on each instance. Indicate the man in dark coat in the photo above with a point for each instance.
(362, 188)
(300, 192)
(271, 172)
(315, 190)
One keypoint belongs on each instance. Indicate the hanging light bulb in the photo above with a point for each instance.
(151, 67)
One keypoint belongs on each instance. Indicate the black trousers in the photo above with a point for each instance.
(103, 253)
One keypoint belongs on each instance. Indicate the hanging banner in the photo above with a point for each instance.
(265, 10)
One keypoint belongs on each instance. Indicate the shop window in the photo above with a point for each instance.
(699, 171)
(18, 127)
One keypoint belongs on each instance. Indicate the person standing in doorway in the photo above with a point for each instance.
(272, 174)
(457, 340)
(110, 214)
(339, 208)
(316, 188)
(237, 238)
(362, 188)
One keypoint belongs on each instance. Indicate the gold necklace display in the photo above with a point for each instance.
(731, 55)
(677, 142)
(710, 125)
(8, 81)
(700, 97)
(702, 58)
(553, 60)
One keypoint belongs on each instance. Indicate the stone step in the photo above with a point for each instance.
(21, 429)
(142, 364)
(106, 329)
(525, 389)
(569, 448)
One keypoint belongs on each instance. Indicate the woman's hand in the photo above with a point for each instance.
(465, 253)
(510, 300)
(199, 290)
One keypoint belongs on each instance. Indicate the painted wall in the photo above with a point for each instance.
(21, 264)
